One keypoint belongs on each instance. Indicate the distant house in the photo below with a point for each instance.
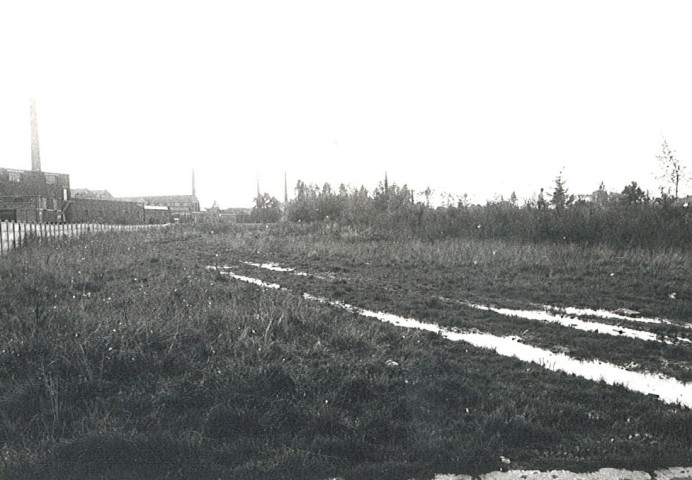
(33, 195)
(235, 215)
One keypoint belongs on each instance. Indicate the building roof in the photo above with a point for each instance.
(163, 199)
(33, 172)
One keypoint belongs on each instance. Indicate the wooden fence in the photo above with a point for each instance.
(18, 234)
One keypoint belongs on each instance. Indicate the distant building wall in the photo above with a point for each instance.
(156, 214)
(104, 211)
(20, 208)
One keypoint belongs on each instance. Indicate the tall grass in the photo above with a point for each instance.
(122, 356)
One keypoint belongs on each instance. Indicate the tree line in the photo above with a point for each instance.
(629, 218)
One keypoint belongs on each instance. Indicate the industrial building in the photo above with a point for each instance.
(33, 196)
(40, 197)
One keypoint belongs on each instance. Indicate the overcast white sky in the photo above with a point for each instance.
(483, 97)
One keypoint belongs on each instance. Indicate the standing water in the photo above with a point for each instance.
(667, 389)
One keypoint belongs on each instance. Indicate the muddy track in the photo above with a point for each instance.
(644, 345)
(667, 389)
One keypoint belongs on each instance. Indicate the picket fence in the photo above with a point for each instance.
(19, 234)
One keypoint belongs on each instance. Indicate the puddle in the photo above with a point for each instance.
(667, 389)
(225, 270)
(277, 268)
(587, 326)
(600, 313)
(271, 266)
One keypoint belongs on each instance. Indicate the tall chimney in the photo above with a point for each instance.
(285, 190)
(35, 152)
(193, 182)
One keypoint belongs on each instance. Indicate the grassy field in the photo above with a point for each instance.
(124, 356)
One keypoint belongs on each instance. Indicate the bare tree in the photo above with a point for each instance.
(673, 172)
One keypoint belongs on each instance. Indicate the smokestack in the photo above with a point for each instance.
(285, 190)
(193, 182)
(35, 152)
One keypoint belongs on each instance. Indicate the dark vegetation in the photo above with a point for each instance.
(629, 219)
(122, 356)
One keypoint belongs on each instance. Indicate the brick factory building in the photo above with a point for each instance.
(33, 196)
(41, 197)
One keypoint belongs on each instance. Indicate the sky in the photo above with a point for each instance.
(482, 98)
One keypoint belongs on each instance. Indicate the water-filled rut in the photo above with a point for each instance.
(667, 389)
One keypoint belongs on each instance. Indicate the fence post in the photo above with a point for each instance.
(2, 240)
